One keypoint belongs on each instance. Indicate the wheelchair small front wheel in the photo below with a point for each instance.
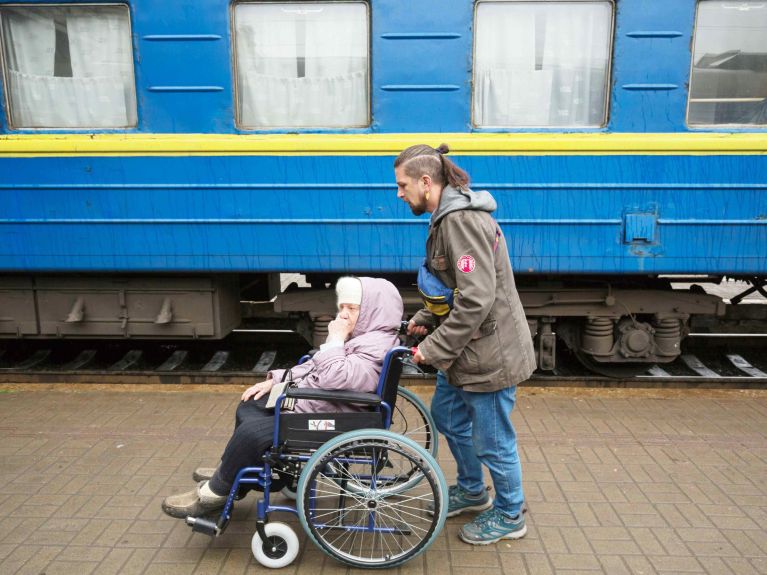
(280, 548)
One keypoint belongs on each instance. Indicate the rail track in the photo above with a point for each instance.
(708, 361)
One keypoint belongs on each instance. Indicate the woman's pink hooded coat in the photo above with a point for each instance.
(357, 365)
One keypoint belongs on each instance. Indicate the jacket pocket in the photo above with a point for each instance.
(486, 328)
(481, 356)
(439, 263)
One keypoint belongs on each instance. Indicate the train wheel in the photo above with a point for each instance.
(614, 370)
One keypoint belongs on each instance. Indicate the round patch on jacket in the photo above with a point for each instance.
(466, 264)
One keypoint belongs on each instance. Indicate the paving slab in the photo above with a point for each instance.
(617, 481)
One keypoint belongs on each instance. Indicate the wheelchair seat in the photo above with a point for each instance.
(306, 431)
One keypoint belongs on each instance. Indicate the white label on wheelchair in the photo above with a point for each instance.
(322, 424)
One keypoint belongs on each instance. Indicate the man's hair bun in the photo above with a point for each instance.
(443, 149)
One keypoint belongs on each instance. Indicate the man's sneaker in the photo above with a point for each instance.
(459, 501)
(491, 526)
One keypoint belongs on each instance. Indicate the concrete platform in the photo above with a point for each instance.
(617, 481)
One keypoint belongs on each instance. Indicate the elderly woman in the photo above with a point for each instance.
(366, 327)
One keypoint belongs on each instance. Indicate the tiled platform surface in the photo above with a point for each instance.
(617, 482)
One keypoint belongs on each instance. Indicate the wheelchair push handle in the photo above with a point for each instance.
(410, 341)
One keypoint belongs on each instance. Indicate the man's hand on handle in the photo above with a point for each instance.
(417, 331)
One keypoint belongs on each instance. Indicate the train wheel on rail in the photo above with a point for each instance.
(614, 370)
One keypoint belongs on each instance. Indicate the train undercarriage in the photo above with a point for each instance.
(617, 327)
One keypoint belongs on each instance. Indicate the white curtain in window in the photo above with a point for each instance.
(102, 59)
(61, 102)
(302, 65)
(509, 90)
(576, 52)
(99, 94)
(30, 43)
(541, 64)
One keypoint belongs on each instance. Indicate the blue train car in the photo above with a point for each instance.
(161, 161)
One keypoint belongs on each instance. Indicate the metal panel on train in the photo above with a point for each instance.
(699, 214)
(87, 307)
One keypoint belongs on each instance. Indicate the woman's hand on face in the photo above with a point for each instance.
(258, 390)
(339, 329)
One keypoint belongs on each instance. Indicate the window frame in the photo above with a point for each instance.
(239, 125)
(4, 69)
(608, 70)
(688, 125)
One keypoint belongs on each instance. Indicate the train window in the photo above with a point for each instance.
(728, 80)
(541, 64)
(302, 64)
(68, 66)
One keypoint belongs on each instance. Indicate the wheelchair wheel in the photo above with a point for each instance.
(280, 548)
(413, 419)
(289, 491)
(289, 476)
(347, 505)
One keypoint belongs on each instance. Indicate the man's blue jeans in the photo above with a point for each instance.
(479, 431)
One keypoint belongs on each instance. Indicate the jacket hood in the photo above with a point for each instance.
(381, 309)
(454, 199)
(357, 365)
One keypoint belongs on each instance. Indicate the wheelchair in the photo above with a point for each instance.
(410, 417)
(367, 496)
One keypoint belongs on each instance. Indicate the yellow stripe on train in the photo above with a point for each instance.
(32, 145)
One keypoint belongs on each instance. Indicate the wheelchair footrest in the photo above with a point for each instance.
(202, 525)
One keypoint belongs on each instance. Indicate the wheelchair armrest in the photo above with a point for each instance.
(333, 395)
(309, 355)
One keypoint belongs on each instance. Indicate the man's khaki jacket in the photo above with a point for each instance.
(484, 343)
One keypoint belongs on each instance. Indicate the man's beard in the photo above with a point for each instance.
(417, 210)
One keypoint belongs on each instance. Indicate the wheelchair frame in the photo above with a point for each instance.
(327, 455)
